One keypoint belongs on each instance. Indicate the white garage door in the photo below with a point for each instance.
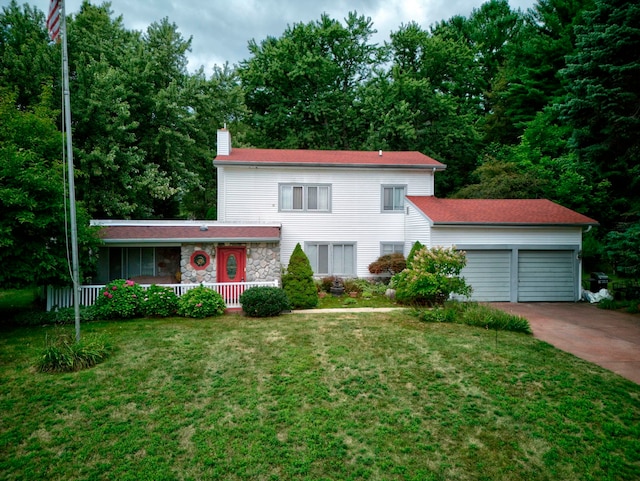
(489, 273)
(546, 276)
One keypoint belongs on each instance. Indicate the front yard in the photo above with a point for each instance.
(323, 396)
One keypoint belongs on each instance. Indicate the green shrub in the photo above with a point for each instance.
(120, 299)
(264, 301)
(159, 301)
(63, 354)
(201, 302)
(298, 281)
(433, 275)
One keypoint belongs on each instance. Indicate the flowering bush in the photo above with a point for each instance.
(159, 301)
(120, 299)
(431, 277)
(201, 302)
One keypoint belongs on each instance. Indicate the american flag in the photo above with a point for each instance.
(53, 19)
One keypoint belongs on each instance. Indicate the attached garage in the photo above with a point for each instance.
(525, 275)
(518, 250)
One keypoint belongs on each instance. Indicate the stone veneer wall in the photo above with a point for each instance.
(263, 263)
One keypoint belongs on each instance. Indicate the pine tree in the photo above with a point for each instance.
(604, 95)
(298, 281)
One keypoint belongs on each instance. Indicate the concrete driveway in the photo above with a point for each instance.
(608, 338)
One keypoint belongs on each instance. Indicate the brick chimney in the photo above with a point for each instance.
(224, 141)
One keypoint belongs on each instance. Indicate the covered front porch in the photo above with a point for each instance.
(181, 254)
(61, 297)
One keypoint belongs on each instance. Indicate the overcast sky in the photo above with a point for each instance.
(221, 29)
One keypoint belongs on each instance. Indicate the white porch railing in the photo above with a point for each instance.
(59, 297)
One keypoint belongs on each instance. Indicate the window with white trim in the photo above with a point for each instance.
(387, 248)
(336, 259)
(393, 198)
(305, 198)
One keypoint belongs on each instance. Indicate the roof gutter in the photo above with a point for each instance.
(245, 163)
(510, 224)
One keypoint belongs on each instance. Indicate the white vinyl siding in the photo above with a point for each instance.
(393, 198)
(305, 198)
(332, 258)
(253, 197)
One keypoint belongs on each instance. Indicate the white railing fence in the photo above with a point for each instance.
(60, 297)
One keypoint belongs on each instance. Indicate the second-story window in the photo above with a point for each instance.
(305, 197)
(393, 198)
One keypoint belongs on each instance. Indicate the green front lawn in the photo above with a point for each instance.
(315, 397)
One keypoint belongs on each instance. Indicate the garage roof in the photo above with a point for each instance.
(539, 212)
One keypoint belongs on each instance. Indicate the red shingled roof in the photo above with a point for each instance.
(498, 211)
(185, 233)
(344, 158)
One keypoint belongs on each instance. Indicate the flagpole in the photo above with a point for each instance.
(75, 271)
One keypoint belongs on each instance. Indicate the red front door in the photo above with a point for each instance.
(231, 264)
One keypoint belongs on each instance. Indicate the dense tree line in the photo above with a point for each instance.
(542, 103)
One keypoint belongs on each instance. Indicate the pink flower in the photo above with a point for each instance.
(113, 288)
(106, 293)
(131, 283)
(109, 295)
(199, 304)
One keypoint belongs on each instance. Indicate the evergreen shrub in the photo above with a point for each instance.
(298, 282)
(264, 301)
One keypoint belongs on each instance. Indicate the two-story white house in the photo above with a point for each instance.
(346, 209)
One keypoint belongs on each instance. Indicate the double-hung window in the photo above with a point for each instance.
(393, 198)
(391, 248)
(305, 198)
(326, 258)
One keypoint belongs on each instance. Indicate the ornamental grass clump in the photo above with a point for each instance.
(201, 302)
(159, 301)
(264, 301)
(474, 314)
(120, 299)
(63, 354)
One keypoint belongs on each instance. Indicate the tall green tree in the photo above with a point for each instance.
(301, 87)
(33, 247)
(530, 77)
(27, 62)
(419, 104)
(490, 32)
(603, 104)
